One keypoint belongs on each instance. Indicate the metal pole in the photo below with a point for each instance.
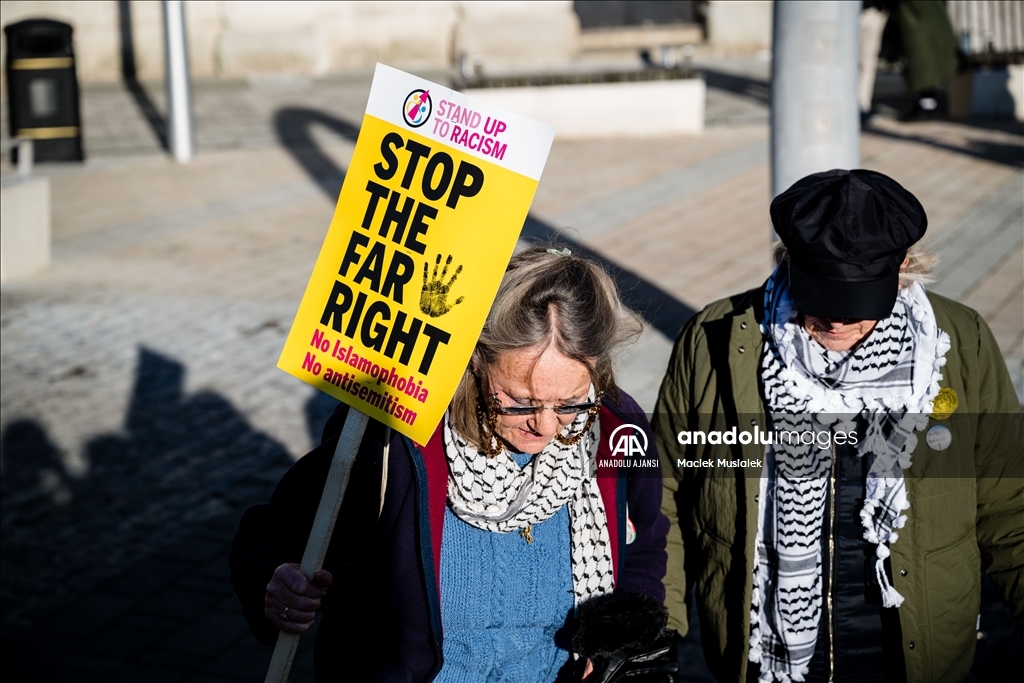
(179, 100)
(814, 114)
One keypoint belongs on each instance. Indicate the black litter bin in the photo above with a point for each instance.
(42, 89)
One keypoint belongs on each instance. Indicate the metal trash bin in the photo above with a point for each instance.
(42, 89)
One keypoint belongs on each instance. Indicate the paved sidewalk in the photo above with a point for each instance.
(140, 407)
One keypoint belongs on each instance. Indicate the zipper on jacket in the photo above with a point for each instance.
(831, 565)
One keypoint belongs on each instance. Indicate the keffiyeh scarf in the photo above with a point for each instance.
(494, 494)
(887, 384)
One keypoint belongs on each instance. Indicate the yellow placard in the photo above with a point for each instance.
(423, 230)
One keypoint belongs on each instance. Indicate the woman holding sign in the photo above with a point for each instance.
(523, 542)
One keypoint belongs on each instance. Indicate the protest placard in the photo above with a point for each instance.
(432, 205)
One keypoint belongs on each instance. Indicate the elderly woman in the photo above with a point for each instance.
(466, 558)
(843, 455)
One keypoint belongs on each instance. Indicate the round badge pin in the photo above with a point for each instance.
(939, 438)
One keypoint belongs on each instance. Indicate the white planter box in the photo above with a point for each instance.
(606, 110)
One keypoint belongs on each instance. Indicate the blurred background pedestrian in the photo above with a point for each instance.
(929, 49)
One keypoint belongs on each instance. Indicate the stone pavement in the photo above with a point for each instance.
(140, 409)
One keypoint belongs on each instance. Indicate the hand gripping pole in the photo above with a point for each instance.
(323, 527)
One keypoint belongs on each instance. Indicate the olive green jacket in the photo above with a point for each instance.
(966, 502)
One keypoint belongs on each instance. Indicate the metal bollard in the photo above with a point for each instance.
(179, 97)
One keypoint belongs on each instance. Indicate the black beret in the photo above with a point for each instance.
(847, 233)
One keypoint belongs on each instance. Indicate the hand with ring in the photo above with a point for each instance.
(292, 600)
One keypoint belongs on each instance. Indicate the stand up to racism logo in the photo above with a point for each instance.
(417, 108)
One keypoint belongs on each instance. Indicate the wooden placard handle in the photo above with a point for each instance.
(323, 527)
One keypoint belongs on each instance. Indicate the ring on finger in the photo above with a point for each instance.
(284, 615)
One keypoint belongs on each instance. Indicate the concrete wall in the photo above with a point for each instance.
(236, 39)
(510, 35)
(319, 38)
(740, 26)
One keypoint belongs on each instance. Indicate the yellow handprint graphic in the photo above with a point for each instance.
(434, 297)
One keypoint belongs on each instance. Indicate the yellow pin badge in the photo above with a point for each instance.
(939, 437)
(945, 404)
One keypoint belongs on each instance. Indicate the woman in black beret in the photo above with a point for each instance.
(868, 462)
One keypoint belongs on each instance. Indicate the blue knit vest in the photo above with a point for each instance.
(503, 599)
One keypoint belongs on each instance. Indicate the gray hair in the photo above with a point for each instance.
(920, 266)
(548, 298)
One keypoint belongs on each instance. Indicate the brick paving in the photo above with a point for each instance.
(140, 408)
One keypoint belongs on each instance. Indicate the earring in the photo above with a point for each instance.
(489, 429)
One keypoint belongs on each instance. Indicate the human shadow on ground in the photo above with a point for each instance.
(153, 117)
(1009, 154)
(294, 130)
(657, 307)
(180, 461)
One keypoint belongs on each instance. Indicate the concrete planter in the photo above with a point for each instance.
(24, 226)
(605, 110)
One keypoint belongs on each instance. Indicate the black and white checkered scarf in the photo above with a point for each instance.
(494, 494)
(887, 383)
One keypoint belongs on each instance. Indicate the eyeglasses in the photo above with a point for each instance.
(565, 409)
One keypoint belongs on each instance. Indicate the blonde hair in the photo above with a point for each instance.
(919, 267)
(547, 298)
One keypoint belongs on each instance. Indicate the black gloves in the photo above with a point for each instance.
(624, 635)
